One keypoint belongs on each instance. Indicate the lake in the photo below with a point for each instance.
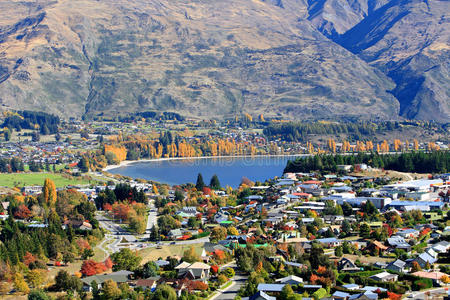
(230, 170)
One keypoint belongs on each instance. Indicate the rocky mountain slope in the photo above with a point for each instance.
(288, 58)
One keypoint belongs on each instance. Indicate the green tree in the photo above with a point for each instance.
(214, 183)
(7, 134)
(38, 295)
(125, 259)
(339, 251)
(164, 292)
(286, 292)
(200, 183)
(364, 230)
(346, 227)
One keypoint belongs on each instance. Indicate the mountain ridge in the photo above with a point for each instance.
(204, 59)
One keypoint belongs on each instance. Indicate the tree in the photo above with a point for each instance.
(7, 134)
(87, 253)
(229, 272)
(200, 184)
(222, 279)
(339, 251)
(58, 137)
(190, 255)
(214, 183)
(218, 233)
(23, 212)
(415, 267)
(286, 292)
(193, 222)
(90, 267)
(138, 224)
(125, 259)
(68, 257)
(35, 136)
(232, 230)
(111, 290)
(49, 192)
(38, 295)
(20, 284)
(346, 227)
(364, 230)
(164, 292)
(36, 277)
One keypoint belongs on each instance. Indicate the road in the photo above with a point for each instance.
(436, 293)
(230, 292)
(152, 218)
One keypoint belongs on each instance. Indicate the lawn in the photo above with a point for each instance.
(151, 254)
(26, 179)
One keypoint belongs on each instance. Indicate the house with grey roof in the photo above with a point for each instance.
(425, 258)
(398, 266)
(270, 287)
(118, 277)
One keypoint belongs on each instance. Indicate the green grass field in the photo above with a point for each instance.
(26, 179)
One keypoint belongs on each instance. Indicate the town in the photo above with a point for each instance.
(349, 220)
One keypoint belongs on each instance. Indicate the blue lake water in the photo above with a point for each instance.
(230, 170)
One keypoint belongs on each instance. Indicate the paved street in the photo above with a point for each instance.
(230, 292)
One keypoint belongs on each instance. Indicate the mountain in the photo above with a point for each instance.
(316, 59)
(409, 40)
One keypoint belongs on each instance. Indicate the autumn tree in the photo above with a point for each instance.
(36, 277)
(49, 192)
(111, 290)
(90, 267)
(190, 255)
(20, 284)
(218, 233)
(23, 212)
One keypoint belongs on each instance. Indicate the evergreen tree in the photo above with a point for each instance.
(200, 184)
(214, 183)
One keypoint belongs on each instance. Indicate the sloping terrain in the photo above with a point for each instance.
(212, 58)
(410, 42)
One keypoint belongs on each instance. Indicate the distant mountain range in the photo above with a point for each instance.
(311, 59)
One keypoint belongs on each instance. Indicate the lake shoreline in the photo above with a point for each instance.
(130, 162)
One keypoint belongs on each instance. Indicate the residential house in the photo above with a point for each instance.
(330, 242)
(424, 258)
(291, 279)
(346, 265)
(146, 284)
(260, 295)
(408, 233)
(384, 277)
(270, 287)
(364, 296)
(398, 242)
(118, 277)
(351, 286)
(175, 234)
(340, 295)
(397, 266)
(195, 271)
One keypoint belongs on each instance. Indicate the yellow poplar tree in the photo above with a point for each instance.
(49, 191)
